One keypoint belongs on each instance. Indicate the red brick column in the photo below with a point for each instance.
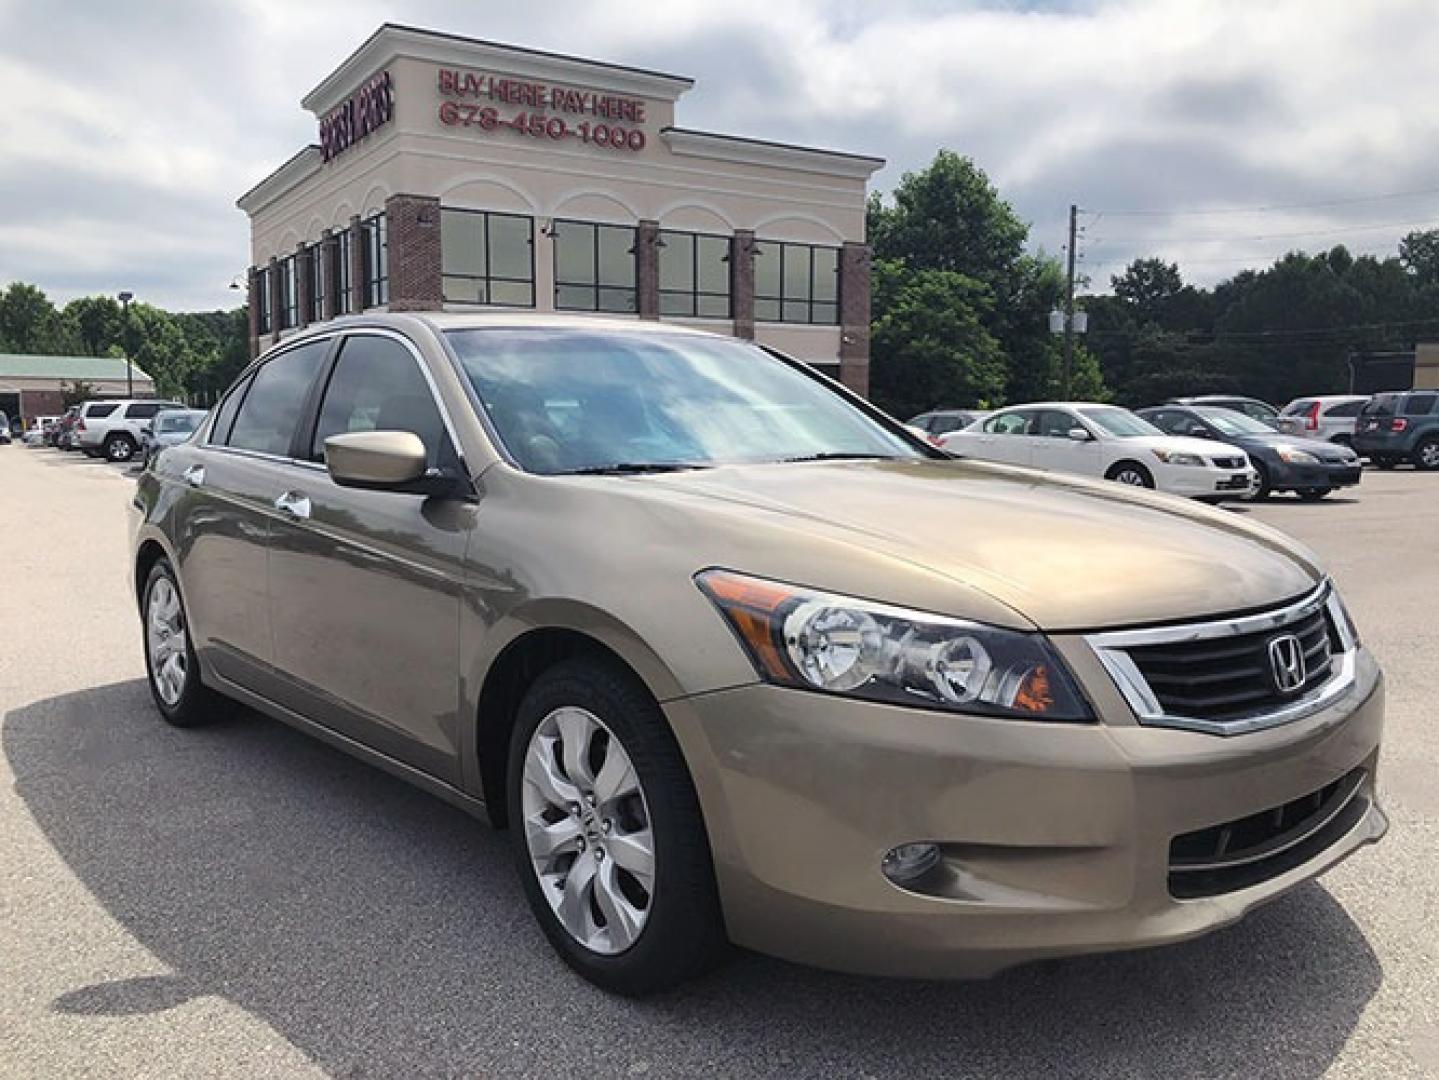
(414, 259)
(276, 298)
(331, 274)
(854, 263)
(741, 254)
(252, 294)
(357, 266)
(647, 269)
(303, 256)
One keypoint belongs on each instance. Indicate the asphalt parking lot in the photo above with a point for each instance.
(243, 900)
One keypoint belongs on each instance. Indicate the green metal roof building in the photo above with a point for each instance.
(32, 386)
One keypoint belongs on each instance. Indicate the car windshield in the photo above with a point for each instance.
(1121, 423)
(1230, 422)
(571, 401)
(1381, 405)
(178, 421)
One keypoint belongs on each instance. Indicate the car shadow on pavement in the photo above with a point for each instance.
(383, 933)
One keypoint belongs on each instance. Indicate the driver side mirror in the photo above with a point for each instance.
(386, 461)
(1078, 434)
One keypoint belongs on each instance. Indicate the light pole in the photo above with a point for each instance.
(125, 298)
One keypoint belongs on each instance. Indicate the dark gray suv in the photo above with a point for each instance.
(1400, 426)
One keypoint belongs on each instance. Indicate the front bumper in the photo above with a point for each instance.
(1056, 837)
(1211, 483)
(1288, 477)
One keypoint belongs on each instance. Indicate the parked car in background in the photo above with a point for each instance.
(940, 422)
(62, 435)
(1328, 416)
(4, 429)
(1107, 441)
(736, 659)
(169, 428)
(1260, 410)
(39, 431)
(1308, 467)
(1400, 426)
(112, 428)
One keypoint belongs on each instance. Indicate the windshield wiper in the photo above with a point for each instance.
(630, 468)
(835, 456)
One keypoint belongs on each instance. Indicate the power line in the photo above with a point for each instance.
(1291, 332)
(1139, 238)
(1269, 208)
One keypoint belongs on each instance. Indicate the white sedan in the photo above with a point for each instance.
(1107, 441)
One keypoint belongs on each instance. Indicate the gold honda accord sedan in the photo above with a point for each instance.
(736, 659)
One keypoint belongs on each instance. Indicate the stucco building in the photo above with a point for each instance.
(459, 174)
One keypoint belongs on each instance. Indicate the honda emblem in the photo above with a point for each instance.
(1286, 663)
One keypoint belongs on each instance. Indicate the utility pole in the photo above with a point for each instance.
(125, 298)
(1069, 303)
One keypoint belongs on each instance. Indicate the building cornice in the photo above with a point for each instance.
(295, 171)
(707, 144)
(392, 41)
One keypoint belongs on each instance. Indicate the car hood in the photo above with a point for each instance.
(1318, 447)
(1064, 553)
(1179, 444)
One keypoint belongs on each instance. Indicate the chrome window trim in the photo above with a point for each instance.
(1110, 647)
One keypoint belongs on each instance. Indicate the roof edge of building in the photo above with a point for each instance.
(300, 166)
(710, 144)
(398, 39)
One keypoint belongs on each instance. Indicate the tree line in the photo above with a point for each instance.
(190, 354)
(960, 315)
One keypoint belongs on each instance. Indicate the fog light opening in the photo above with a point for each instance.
(908, 863)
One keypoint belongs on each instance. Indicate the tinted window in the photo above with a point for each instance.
(924, 421)
(1120, 423)
(225, 415)
(1381, 405)
(1229, 422)
(947, 422)
(1257, 409)
(1167, 420)
(1295, 408)
(144, 411)
(175, 420)
(267, 417)
(377, 386)
(1054, 424)
(1347, 408)
(1011, 423)
(1419, 405)
(96, 411)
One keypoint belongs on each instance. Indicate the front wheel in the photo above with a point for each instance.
(119, 448)
(1262, 491)
(1131, 473)
(170, 653)
(607, 832)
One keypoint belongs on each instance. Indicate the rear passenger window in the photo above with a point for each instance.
(1419, 404)
(1348, 408)
(377, 385)
(271, 409)
(97, 411)
(225, 415)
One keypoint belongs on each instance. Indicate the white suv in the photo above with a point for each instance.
(112, 428)
(1326, 416)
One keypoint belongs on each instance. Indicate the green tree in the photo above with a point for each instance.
(1419, 254)
(1148, 286)
(98, 320)
(930, 342)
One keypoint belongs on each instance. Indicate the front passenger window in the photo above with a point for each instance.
(377, 386)
(271, 409)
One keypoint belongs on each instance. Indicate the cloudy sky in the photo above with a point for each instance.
(128, 129)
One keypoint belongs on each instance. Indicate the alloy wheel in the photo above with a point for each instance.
(120, 450)
(587, 830)
(1130, 477)
(166, 640)
(1429, 455)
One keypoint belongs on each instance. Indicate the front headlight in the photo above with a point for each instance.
(1295, 456)
(1176, 457)
(818, 641)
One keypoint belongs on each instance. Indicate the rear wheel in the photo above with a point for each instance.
(1131, 473)
(607, 832)
(170, 654)
(119, 447)
(1426, 455)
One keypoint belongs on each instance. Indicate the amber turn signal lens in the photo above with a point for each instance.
(749, 605)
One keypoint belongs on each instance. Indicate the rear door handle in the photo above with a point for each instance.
(293, 504)
(195, 476)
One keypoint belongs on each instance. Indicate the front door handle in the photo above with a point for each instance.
(195, 476)
(294, 505)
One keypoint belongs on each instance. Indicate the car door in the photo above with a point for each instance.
(224, 512)
(1055, 449)
(1002, 438)
(365, 586)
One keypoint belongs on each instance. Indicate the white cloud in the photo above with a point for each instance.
(130, 129)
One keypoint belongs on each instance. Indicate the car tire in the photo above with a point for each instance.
(1131, 473)
(1263, 490)
(119, 448)
(183, 700)
(650, 921)
(1426, 455)
(1314, 494)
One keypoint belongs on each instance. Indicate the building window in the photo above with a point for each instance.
(262, 301)
(487, 258)
(694, 275)
(289, 294)
(375, 250)
(796, 283)
(344, 298)
(315, 268)
(594, 267)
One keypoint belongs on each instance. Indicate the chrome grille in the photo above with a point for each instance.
(1229, 675)
(1229, 462)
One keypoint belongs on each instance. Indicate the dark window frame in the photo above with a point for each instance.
(375, 254)
(782, 298)
(487, 278)
(694, 293)
(264, 317)
(342, 253)
(289, 312)
(596, 286)
(315, 270)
